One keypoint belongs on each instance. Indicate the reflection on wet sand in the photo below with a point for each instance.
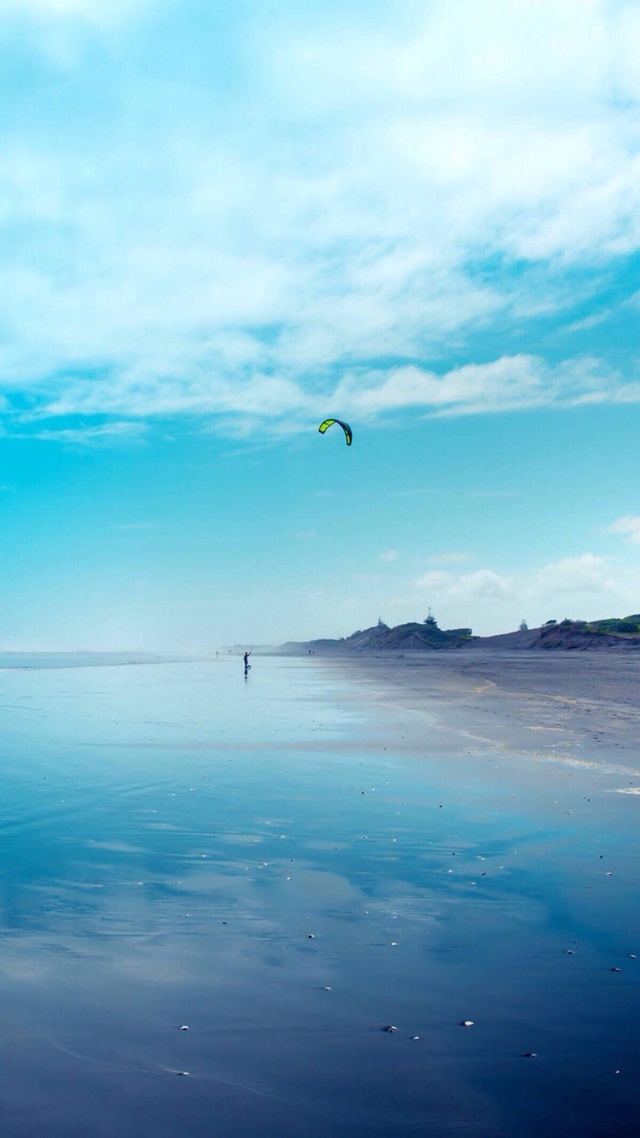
(317, 864)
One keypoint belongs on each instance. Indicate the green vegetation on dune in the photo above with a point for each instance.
(626, 625)
(613, 625)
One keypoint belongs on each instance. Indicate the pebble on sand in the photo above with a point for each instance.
(466, 1023)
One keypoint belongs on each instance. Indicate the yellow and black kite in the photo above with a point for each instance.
(348, 433)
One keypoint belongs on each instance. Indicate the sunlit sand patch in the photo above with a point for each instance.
(584, 764)
(550, 756)
(590, 764)
(514, 752)
(486, 686)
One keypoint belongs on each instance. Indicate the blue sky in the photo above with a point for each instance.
(220, 223)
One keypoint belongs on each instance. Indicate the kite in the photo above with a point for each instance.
(348, 433)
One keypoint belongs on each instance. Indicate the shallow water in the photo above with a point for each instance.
(184, 848)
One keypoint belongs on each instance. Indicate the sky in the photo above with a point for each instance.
(222, 221)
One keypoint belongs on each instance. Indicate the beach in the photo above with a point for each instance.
(581, 708)
(221, 894)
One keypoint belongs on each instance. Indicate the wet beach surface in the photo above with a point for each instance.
(584, 706)
(217, 894)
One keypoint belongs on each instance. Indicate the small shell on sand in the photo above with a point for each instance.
(183, 1027)
(466, 1023)
(390, 1028)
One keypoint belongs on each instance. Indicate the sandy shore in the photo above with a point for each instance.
(577, 709)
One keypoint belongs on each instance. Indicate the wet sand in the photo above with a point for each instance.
(291, 864)
(577, 708)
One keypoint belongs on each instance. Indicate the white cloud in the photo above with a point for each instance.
(182, 381)
(484, 584)
(574, 575)
(582, 587)
(89, 435)
(438, 580)
(389, 555)
(504, 384)
(377, 187)
(628, 526)
(570, 576)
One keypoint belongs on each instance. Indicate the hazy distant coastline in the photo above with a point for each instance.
(33, 660)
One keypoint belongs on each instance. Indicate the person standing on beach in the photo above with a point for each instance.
(246, 660)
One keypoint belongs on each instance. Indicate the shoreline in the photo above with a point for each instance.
(581, 711)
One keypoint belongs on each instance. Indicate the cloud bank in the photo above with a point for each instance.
(246, 215)
(586, 586)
